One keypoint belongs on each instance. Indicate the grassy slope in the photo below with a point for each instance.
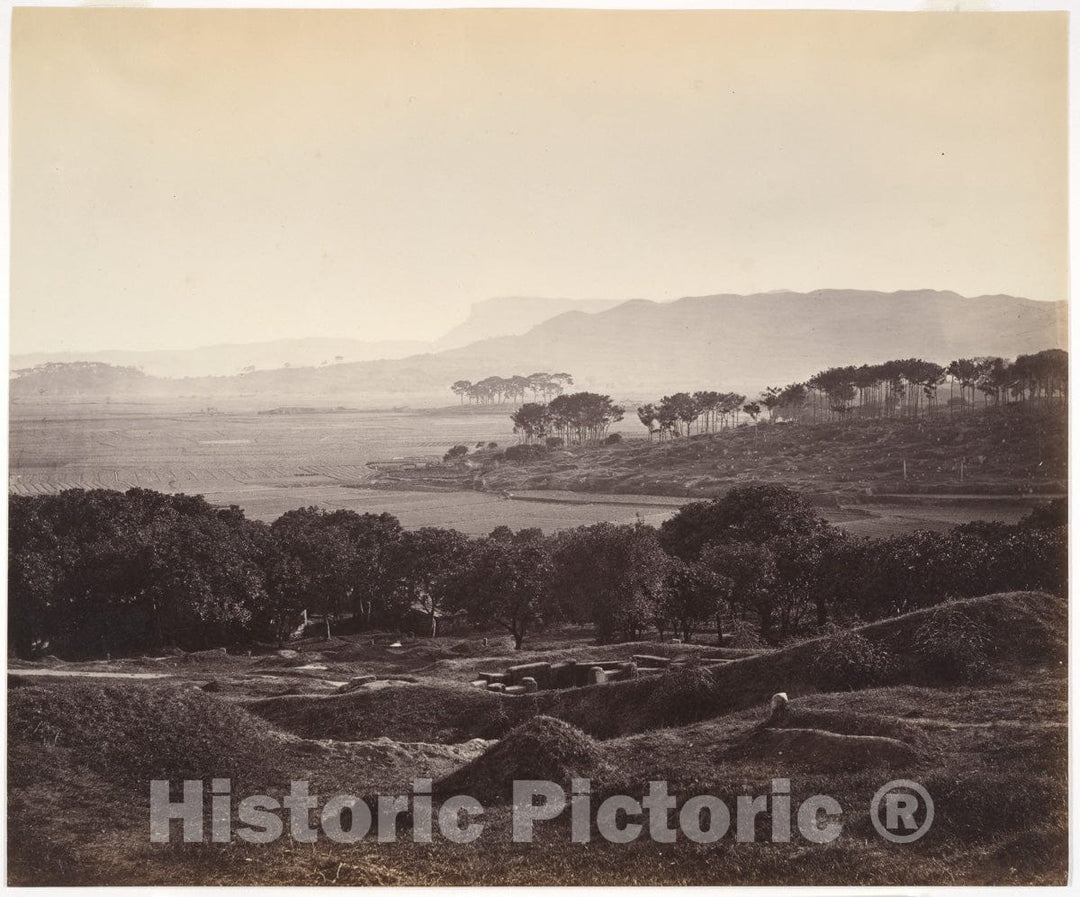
(992, 755)
(1005, 452)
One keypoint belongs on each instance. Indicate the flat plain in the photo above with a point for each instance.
(268, 461)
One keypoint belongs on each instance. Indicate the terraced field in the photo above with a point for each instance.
(186, 450)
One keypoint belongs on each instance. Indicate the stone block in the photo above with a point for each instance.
(651, 660)
(541, 672)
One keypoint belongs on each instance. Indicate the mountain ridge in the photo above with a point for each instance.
(695, 342)
(513, 316)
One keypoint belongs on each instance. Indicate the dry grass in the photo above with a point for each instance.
(993, 755)
(541, 748)
(1011, 451)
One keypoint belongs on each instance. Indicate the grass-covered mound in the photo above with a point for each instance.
(131, 733)
(443, 713)
(81, 756)
(821, 750)
(542, 748)
(1024, 628)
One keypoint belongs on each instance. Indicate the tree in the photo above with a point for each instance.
(94, 572)
(422, 567)
(498, 390)
(371, 539)
(583, 416)
(317, 562)
(802, 582)
(792, 399)
(752, 514)
(680, 407)
(508, 581)
(648, 417)
(692, 596)
(770, 400)
(532, 421)
(461, 389)
(747, 573)
(612, 576)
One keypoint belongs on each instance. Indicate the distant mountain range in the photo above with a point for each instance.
(641, 348)
(512, 316)
(492, 317)
(233, 358)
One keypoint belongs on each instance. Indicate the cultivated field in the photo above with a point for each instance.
(265, 463)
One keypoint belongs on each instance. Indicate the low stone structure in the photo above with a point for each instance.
(541, 676)
(526, 678)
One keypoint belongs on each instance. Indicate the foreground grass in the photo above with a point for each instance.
(992, 753)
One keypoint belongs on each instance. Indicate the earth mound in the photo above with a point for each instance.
(819, 749)
(129, 734)
(543, 748)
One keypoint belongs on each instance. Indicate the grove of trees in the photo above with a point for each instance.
(97, 572)
(905, 388)
(676, 414)
(501, 390)
(912, 387)
(577, 418)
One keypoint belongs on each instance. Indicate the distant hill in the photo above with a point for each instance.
(82, 378)
(512, 316)
(232, 358)
(506, 316)
(747, 342)
(641, 348)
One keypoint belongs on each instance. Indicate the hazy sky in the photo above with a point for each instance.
(183, 177)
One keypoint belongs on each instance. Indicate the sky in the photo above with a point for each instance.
(182, 178)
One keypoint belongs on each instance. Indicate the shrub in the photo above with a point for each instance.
(951, 647)
(456, 453)
(682, 697)
(554, 442)
(493, 445)
(1048, 516)
(743, 634)
(613, 439)
(846, 660)
(524, 452)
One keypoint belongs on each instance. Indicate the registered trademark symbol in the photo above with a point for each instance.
(896, 809)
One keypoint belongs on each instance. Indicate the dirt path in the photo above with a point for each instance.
(990, 724)
(90, 674)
